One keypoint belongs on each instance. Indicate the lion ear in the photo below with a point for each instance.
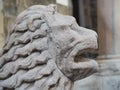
(52, 8)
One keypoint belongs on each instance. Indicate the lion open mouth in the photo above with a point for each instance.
(83, 63)
(86, 55)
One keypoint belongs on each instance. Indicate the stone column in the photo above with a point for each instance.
(109, 43)
(108, 27)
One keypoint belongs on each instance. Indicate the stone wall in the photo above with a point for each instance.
(1, 25)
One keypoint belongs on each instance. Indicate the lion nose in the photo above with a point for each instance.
(92, 38)
(94, 33)
(91, 32)
(87, 32)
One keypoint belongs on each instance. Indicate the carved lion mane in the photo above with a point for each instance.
(44, 51)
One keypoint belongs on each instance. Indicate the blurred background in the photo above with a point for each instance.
(102, 16)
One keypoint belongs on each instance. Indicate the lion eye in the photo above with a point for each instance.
(74, 26)
(72, 39)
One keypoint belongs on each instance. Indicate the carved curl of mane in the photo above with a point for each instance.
(26, 63)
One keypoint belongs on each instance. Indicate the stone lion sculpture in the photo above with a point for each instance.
(44, 51)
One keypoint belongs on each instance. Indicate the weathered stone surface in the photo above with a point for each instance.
(44, 51)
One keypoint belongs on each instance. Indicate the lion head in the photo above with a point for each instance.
(44, 51)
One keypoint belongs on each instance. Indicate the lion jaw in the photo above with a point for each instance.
(76, 70)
